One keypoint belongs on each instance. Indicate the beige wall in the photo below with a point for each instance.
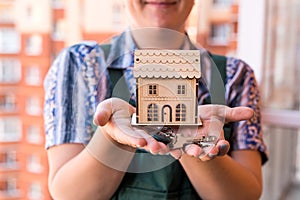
(99, 15)
(38, 21)
(72, 21)
(167, 92)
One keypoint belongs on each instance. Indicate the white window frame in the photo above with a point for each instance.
(34, 45)
(35, 191)
(10, 129)
(33, 75)
(10, 41)
(33, 106)
(8, 102)
(34, 164)
(10, 70)
(33, 135)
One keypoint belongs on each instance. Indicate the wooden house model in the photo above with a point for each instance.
(166, 87)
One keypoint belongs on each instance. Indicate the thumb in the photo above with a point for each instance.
(108, 107)
(238, 114)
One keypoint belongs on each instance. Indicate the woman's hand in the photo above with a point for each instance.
(213, 118)
(114, 117)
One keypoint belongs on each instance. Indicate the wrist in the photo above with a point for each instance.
(109, 152)
(114, 142)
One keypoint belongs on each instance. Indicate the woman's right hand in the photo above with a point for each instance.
(113, 116)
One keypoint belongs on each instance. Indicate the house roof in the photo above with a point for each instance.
(167, 64)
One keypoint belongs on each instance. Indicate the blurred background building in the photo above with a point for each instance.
(265, 33)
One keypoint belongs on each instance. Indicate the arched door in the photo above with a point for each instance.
(166, 114)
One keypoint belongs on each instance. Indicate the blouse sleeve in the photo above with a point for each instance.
(242, 90)
(72, 92)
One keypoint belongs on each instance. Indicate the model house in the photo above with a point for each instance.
(167, 85)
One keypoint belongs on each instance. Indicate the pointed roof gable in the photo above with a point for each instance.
(167, 64)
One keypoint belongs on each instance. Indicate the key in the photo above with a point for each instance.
(168, 136)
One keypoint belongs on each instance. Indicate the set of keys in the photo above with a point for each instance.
(168, 136)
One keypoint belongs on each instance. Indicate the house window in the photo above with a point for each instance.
(35, 191)
(34, 45)
(57, 4)
(8, 187)
(34, 164)
(117, 13)
(152, 89)
(152, 112)
(34, 135)
(220, 34)
(33, 75)
(7, 103)
(33, 106)
(181, 89)
(8, 159)
(58, 30)
(222, 3)
(9, 41)
(180, 113)
(6, 14)
(29, 13)
(10, 70)
(10, 129)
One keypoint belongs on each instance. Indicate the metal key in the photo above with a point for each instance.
(168, 136)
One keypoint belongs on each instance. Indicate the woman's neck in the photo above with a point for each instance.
(158, 38)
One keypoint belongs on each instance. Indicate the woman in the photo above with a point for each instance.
(85, 164)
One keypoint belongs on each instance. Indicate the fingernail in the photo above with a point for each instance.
(223, 146)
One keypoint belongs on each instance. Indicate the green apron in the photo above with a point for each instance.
(171, 181)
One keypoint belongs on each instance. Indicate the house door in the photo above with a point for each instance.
(166, 114)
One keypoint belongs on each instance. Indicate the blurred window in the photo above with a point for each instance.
(33, 75)
(58, 30)
(222, 3)
(10, 70)
(34, 135)
(8, 159)
(9, 41)
(33, 106)
(220, 34)
(10, 129)
(34, 164)
(57, 4)
(7, 103)
(8, 187)
(34, 45)
(35, 191)
(6, 14)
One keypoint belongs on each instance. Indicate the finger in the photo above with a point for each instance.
(225, 113)
(164, 149)
(151, 144)
(193, 150)
(106, 108)
(176, 153)
(223, 147)
(238, 114)
(126, 134)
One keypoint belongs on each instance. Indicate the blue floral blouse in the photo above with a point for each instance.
(78, 80)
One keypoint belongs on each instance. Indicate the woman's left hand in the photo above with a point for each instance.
(213, 118)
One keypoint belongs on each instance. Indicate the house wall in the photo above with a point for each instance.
(167, 95)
